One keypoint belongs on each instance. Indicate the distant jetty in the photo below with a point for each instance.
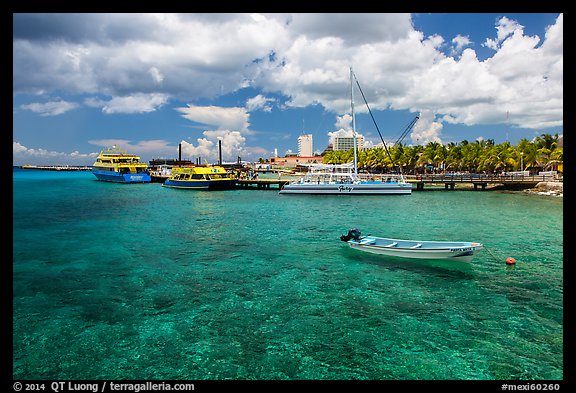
(57, 167)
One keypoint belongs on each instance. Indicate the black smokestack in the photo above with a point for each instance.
(219, 151)
(179, 152)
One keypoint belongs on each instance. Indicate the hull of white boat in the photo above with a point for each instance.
(461, 251)
(348, 189)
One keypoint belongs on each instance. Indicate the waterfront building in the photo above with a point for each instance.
(347, 142)
(293, 161)
(328, 149)
(305, 145)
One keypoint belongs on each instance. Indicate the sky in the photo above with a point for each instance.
(149, 82)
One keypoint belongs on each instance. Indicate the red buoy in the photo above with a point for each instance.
(510, 261)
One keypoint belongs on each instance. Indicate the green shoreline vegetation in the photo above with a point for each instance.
(544, 153)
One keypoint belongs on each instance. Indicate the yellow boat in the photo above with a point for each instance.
(115, 165)
(200, 178)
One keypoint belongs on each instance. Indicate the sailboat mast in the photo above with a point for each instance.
(353, 120)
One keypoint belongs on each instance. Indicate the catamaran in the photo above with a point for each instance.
(326, 179)
(344, 179)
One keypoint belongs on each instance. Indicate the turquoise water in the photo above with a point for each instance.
(114, 281)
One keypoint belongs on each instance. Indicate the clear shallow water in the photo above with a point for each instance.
(115, 281)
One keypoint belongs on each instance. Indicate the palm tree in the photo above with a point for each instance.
(398, 155)
(546, 141)
(490, 160)
(481, 155)
(530, 151)
(429, 154)
(543, 157)
(338, 156)
(440, 156)
(556, 157)
(412, 156)
(378, 159)
(454, 158)
(472, 156)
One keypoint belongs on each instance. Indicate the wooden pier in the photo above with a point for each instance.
(261, 183)
(56, 167)
(450, 182)
(158, 178)
(478, 181)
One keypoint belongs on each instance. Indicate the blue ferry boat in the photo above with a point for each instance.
(115, 165)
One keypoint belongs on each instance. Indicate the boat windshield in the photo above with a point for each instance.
(218, 176)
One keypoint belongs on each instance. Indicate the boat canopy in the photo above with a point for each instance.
(330, 168)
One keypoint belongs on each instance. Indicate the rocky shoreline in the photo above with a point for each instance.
(552, 188)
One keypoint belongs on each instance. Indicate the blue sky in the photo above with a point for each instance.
(147, 82)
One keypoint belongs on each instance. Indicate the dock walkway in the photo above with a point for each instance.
(450, 182)
(478, 181)
(261, 183)
(57, 167)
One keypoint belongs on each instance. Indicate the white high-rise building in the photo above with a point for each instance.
(347, 142)
(305, 145)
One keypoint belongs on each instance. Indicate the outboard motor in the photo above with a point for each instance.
(353, 234)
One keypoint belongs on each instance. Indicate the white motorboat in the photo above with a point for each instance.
(418, 249)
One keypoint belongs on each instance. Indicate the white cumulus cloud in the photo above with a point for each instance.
(233, 145)
(259, 102)
(344, 125)
(459, 43)
(51, 108)
(156, 147)
(344, 122)
(136, 103)
(156, 74)
(234, 118)
(427, 129)
(22, 155)
(504, 27)
(144, 60)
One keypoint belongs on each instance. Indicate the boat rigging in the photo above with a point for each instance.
(402, 136)
(344, 179)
